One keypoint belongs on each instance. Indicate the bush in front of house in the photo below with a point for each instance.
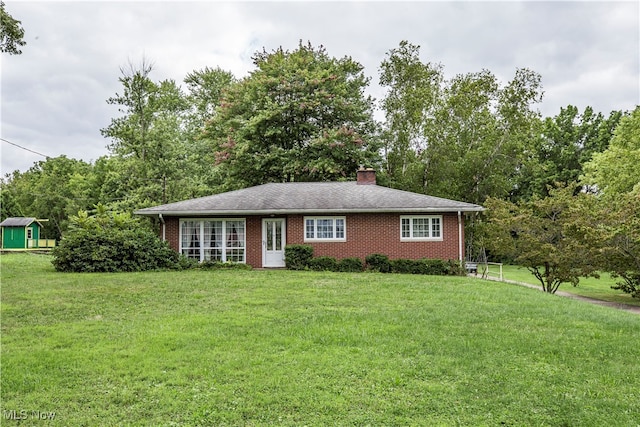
(110, 242)
(433, 267)
(220, 265)
(323, 263)
(350, 265)
(378, 262)
(297, 257)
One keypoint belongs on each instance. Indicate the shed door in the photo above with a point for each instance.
(273, 242)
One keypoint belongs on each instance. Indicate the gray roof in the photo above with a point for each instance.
(16, 222)
(311, 197)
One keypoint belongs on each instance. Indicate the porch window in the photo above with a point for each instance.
(325, 228)
(213, 239)
(421, 227)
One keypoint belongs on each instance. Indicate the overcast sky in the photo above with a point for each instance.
(54, 94)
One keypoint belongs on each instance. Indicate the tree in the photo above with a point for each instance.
(543, 235)
(567, 142)
(11, 33)
(51, 189)
(614, 231)
(149, 143)
(463, 138)
(299, 116)
(413, 91)
(616, 170)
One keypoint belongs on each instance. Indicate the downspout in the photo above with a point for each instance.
(460, 242)
(164, 239)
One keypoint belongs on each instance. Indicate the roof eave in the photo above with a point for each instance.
(307, 211)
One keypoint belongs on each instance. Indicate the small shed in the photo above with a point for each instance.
(23, 233)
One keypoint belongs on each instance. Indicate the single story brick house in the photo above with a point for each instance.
(339, 219)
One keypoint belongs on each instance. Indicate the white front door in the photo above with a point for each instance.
(273, 242)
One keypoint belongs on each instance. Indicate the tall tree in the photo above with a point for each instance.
(482, 137)
(464, 138)
(148, 140)
(413, 91)
(299, 116)
(11, 33)
(567, 142)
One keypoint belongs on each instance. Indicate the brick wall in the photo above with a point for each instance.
(379, 233)
(366, 234)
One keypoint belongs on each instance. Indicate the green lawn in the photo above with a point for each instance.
(306, 348)
(588, 287)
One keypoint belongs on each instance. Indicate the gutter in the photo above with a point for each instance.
(164, 229)
(303, 211)
(460, 242)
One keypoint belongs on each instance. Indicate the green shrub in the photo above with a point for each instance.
(404, 266)
(433, 267)
(323, 263)
(109, 242)
(297, 257)
(352, 265)
(113, 249)
(219, 265)
(378, 262)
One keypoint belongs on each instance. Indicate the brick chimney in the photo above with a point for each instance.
(366, 176)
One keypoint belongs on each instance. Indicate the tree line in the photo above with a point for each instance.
(303, 115)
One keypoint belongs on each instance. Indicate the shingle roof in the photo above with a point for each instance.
(311, 197)
(16, 222)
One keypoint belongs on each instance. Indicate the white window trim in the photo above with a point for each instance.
(421, 239)
(315, 229)
(224, 244)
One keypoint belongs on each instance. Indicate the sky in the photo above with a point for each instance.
(54, 95)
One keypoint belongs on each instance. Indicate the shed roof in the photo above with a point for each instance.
(17, 222)
(311, 197)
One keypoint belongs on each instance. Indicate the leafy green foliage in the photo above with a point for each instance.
(616, 169)
(434, 267)
(567, 142)
(300, 116)
(378, 262)
(11, 33)
(614, 231)
(463, 138)
(51, 189)
(323, 263)
(111, 242)
(350, 265)
(297, 257)
(219, 265)
(543, 235)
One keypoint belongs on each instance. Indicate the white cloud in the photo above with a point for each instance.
(54, 94)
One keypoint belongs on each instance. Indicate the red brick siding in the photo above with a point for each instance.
(366, 234)
(379, 233)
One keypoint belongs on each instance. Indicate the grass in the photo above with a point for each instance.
(306, 348)
(588, 287)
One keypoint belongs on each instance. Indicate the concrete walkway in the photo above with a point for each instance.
(626, 307)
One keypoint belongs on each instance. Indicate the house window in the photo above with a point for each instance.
(29, 233)
(325, 228)
(421, 227)
(213, 239)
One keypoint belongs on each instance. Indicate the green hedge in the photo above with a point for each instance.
(297, 257)
(300, 257)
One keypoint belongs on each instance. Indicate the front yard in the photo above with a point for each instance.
(306, 348)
